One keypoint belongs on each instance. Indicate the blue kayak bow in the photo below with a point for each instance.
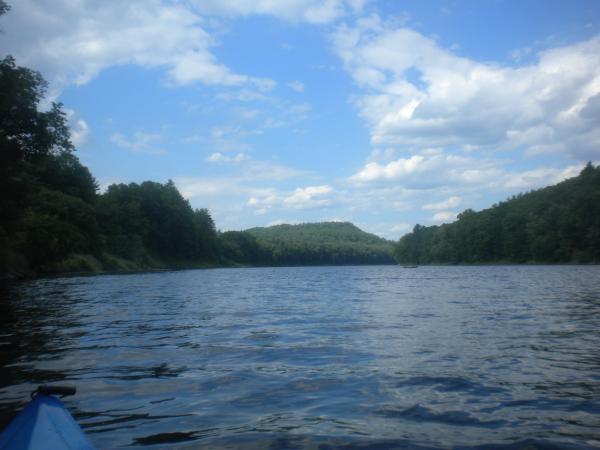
(45, 423)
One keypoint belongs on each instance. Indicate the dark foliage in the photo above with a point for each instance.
(325, 243)
(142, 221)
(51, 213)
(242, 247)
(46, 195)
(52, 218)
(556, 224)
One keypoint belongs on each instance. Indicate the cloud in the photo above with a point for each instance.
(288, 114)
(395, 169)
(418, 94)
(428, 170)
(269, 170)
(519, 54)
(245, 113)
(308, 196)
(297, 86)
(220, 157)
(451, 202)
(456, 172)
(300, 198)
(539, 177)
(243, 183)
(299, 111)
(202, 66)
(202, 187)
(139, 142)
(78, 127)
(386, 230)
(243, 95)
(247, 123)
(194, 139)
(227, 196)
(311, 11)
(383, 154)
(401, 228)
(444, 216)
(71, 42)
(225, 131)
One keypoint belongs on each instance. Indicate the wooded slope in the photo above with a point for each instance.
(556, 224)
(313, 244)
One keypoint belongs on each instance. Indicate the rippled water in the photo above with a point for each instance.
(321, 357)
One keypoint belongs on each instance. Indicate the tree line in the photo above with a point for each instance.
(52, 215)
(326, 243)
(54, 220)
(556, 224)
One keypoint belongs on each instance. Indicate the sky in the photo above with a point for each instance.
(382, 113)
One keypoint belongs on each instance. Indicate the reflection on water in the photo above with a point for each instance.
(329, 357)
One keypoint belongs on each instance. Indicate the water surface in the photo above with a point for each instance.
(315, 357)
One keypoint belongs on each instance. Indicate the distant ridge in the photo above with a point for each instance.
(556, 224)
(322, 243)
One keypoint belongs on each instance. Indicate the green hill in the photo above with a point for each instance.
(320, 243)
(556, 224)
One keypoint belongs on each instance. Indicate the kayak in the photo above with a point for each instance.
(45, 423)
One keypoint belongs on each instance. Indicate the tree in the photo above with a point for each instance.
(206, 236)
(44, 189)
(26, 132)
(153, 220)
(559, 223)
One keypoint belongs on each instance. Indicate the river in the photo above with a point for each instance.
(314, 357)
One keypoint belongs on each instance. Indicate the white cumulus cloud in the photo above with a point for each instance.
(220, 157)
(78, 127)
(393, 170)
(70, 42)
(444, 216)
(418, 94)
(308, 196)
(539, 177)
(457, 173)
(300, 198)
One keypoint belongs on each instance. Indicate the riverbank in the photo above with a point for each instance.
(104, 264)
(89, 265)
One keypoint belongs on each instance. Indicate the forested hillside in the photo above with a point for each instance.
(147, 221)
(54, 220)
(556, 224)
(47, 197)
(322, 243)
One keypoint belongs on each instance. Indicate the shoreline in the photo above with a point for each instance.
(17, 276)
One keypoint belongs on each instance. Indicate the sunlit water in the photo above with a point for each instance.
(321, 357)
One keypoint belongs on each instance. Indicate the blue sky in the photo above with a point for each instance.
(383, 113)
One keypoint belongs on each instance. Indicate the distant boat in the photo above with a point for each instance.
(410, 267)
